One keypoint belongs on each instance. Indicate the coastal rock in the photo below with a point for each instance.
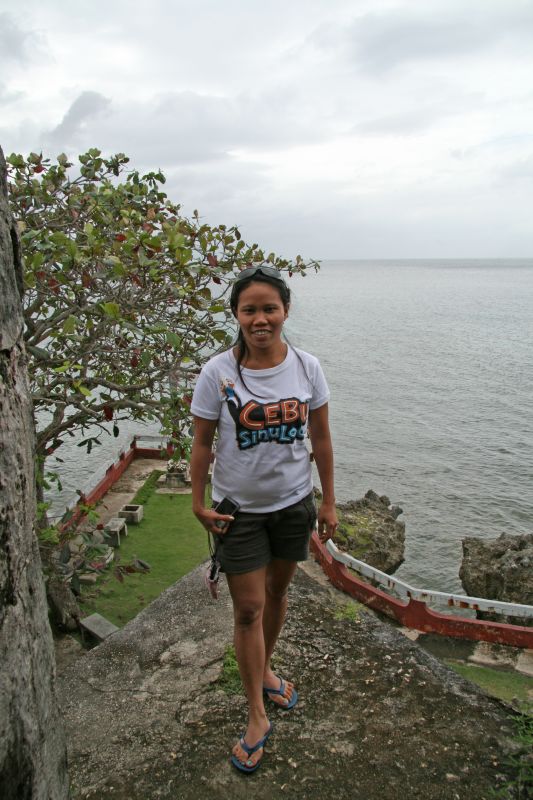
(370, 531)
(499, 569)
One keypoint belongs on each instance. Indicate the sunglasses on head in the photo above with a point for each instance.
(263, 269)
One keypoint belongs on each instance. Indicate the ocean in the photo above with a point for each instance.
(430, 366)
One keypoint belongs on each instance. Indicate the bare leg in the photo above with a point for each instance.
(248, 595)
(279, 574)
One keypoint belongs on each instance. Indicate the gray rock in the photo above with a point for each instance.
(370, 531)
(499, 569)
(64, 610)
(32, 742)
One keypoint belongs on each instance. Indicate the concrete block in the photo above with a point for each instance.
(97, 626)
(115, 528)
(113, 538)
(132, 513)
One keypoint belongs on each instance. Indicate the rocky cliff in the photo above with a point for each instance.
(369, 529)
(499, 569)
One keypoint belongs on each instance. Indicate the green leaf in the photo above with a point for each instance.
(38, 352)
(145, 358)
(112, 261)
(72, 250)
(173, 339)
(82, 389)
(184, 255)
(70, 324)
(16, 160)
(111, 309)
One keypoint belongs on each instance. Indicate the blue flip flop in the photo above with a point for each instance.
(249, 750)
(281, 691)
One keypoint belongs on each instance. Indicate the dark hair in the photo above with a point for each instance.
(285, 296)
(259, 277)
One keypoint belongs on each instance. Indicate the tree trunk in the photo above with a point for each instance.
(32, 743)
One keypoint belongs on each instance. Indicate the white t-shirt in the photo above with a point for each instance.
(262, 460)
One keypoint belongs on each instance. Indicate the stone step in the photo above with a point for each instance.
(97, 626)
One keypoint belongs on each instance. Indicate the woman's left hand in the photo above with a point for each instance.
(327, 521)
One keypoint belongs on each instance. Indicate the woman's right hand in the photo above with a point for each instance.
(215, 523)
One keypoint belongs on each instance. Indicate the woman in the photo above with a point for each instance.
(260, 397)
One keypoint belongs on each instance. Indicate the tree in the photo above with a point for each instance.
(125, 297)
(32, 742)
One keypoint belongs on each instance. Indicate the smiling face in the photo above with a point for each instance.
(261, 314)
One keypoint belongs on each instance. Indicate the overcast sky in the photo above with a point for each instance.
(329, 128)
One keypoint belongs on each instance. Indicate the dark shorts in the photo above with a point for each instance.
(253, 540)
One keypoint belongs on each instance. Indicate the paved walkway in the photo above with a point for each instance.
(127, 486)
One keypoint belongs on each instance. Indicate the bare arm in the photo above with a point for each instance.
(323, 452)
(204, 432)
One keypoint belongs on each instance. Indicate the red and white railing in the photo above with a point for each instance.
(414, 611)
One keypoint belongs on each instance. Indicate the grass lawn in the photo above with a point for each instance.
(505, 684)
(169, 538)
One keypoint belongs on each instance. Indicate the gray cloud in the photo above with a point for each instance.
(519, 171)
(8, 96)
(187, 127)
(380, 42)
(15, 43)
(497, 144)
(403, 122)
(274, 117)
(85, 107)
(383, 42)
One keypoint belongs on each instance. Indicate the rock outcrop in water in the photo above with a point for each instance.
(369, 530)
(499, 569)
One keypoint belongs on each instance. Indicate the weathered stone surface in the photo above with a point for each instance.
(64, 610)
(32, 743)
(377, 718)
(370, 531)
(499, 569)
